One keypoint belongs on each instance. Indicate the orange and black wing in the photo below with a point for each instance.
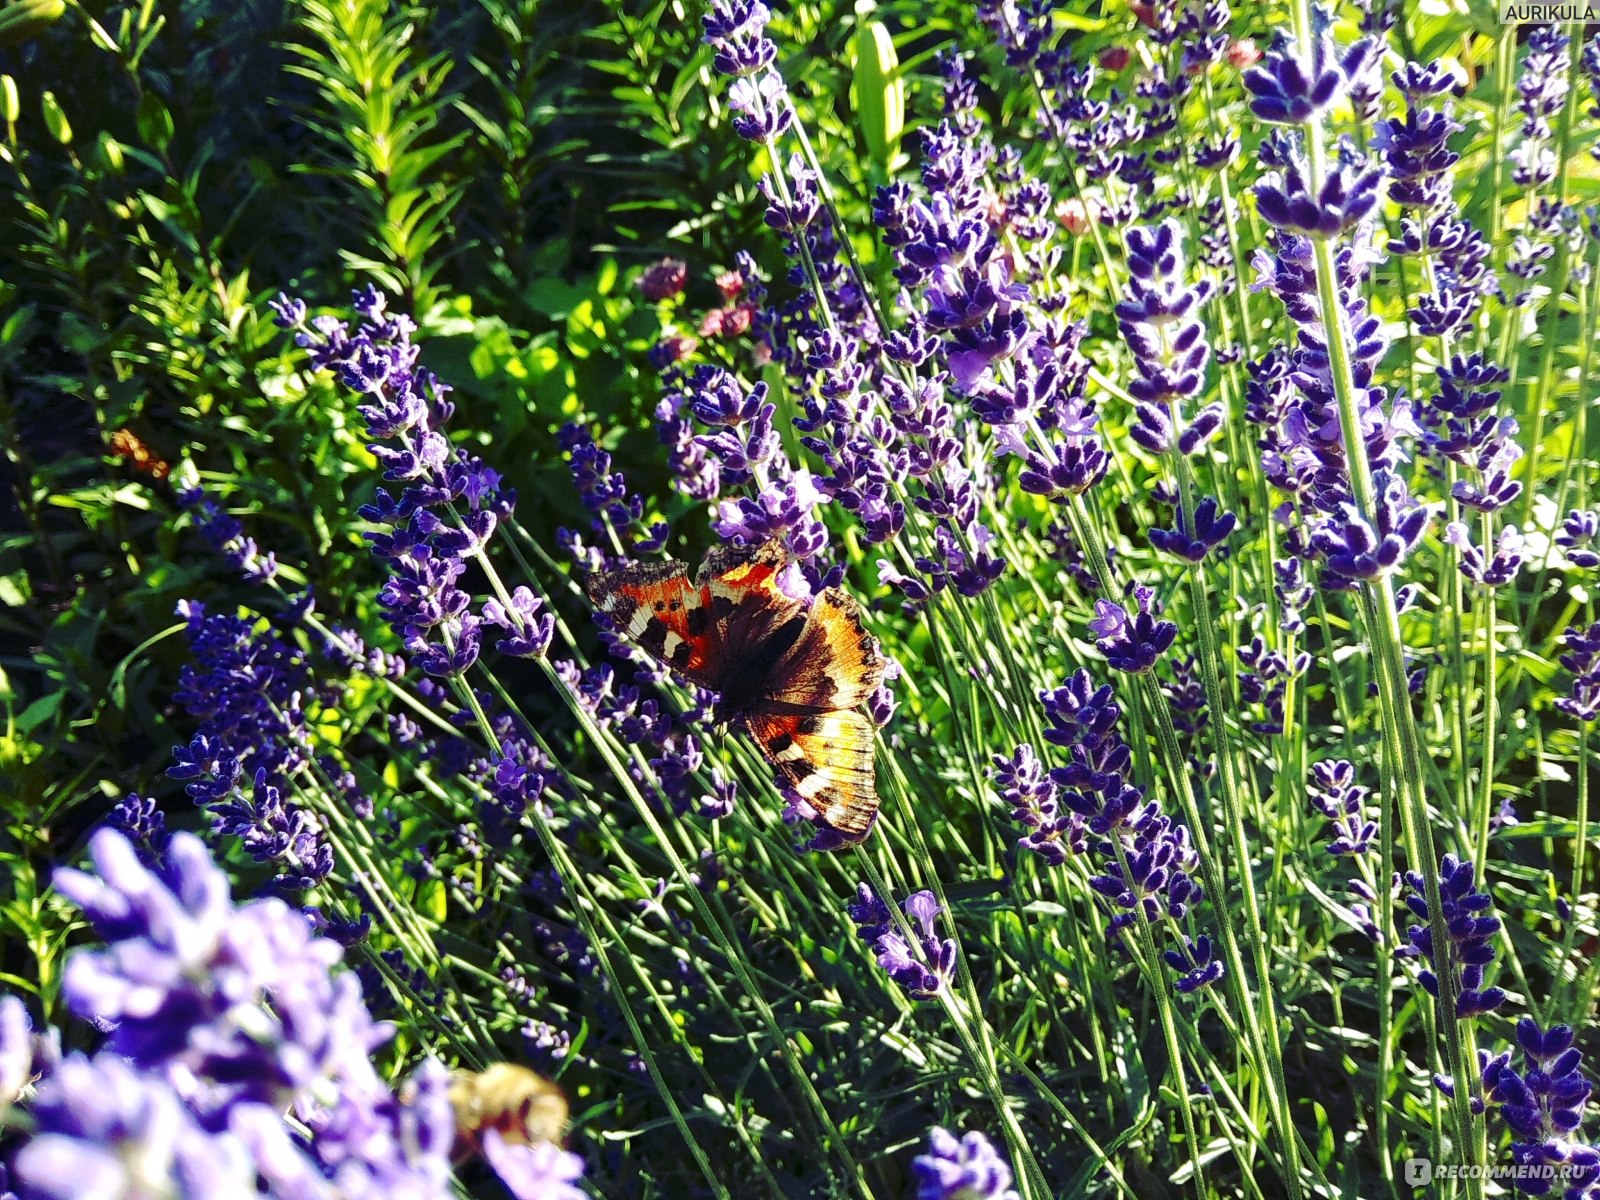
(834, 664)
(756, 623)
(822, 666)
(658, 609)
(826, 759)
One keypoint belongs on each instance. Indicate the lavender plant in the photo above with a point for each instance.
(1202, 430)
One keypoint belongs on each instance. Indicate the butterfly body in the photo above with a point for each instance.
(788, 669)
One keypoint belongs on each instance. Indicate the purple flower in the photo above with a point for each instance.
(181, 966)
(1471, 935)
(1491, 461)
(1293, 398)
(1541, 94)
(1583, 660)
(718, 802)
(274, 831)
(783, 510)
(1347, 196)
(1334, 792)
(1024, 785)
(869, 913)
(1491, 571)
(735, 30)
(922, 972)
(1543, 1106)
(1104, 812)
(529, 630)
(16, 1050)
(105, 1129)
(540, 1171)
(1578, 535)
(1287, 91)
(1265, 682)
(1064, 468)
(1459, 419)
(222, 1020)
(1417, 151)
(226, 536)
(1292, 591)
(141, 821)
(450, 501)
(1133, 641)
(1355, 550)
(603, 492)
(248, 689)
(966, 1169)
(1160, 322)
(1210, 531)
(1196, 964)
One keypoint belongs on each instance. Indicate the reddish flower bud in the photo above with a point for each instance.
(664, 280)
(1076, 216)
(1243, 53)
(736, 320)
(1115, 58)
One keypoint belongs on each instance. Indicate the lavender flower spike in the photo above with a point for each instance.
(1160, 322)
(16, 1050)
(922, 977)
(105, 1129)
(1286, 91)
(223, 1019)
(1543, 1106)
(1133, 641)
(534, 1172)
(1471, 937)
(966, 1169)
(1334, 791)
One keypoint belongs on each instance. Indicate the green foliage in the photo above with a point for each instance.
(168, 171)
(503, 169)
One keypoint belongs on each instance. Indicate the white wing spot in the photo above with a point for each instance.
(811, 785)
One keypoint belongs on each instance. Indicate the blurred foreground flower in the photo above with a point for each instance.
(223, 1020)
(968, 1168)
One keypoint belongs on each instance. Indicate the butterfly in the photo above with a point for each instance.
(791, 672)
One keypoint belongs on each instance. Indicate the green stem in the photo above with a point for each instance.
(1268, 1067)
(1030, 1177)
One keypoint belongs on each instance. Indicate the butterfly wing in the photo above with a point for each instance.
(657, 608)
(806, 723)
(795, 670)
(757, 623)
(834, 663)
(826, 758)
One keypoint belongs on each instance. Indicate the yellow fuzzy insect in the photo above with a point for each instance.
(522, 1106)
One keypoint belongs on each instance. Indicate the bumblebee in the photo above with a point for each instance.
(521, 1106)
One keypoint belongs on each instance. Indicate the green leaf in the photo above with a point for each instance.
(155, 122)
(433, 899)
(41, 710)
